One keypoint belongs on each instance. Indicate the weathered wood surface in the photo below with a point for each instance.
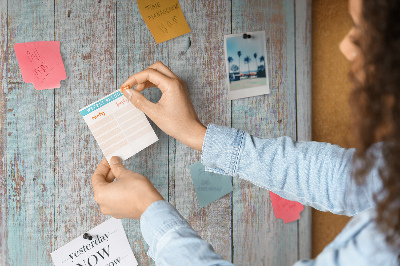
(303, 102)
(48, 153)
(3, 132)
(259, 238)
(202, 69)
(29, 155)
(136, 50)
(86, 30)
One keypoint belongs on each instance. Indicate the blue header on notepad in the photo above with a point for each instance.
(101, 103)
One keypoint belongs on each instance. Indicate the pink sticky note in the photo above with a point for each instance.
(41, 63)
(284, 209)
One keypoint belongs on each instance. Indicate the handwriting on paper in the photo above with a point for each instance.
(284, 209)
(41, 63)
(164, 18)
(118, 126)
(209, 186)
(108, 246)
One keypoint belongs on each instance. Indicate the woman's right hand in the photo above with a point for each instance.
(174, 112)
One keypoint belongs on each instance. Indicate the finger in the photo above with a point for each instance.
(160, 67)
(139, 101)
(143, 86)
(117, 167)
(159, 80)
(100, 174)
(110, 177)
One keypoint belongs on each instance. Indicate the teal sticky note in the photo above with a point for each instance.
(209, 186)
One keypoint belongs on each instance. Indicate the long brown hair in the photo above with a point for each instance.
(375, 101)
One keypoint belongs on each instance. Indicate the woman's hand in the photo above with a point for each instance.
(173, 113)
(127, 197)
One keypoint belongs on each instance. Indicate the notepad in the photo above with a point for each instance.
(164, 18)
(119, 128)
(287, 210)
(108, 246)
(41, 63)
(209, 186)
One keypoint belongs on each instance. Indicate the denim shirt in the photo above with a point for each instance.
(312, 173)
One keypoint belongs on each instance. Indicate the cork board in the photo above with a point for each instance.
(330, 99)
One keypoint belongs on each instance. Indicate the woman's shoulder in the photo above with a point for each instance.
(361, 240)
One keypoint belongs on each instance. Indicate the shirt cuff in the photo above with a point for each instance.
(221, 149)
(157, 220)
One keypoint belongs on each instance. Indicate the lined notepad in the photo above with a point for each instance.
(118, 126)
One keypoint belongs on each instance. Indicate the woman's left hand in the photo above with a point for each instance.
(127, 197)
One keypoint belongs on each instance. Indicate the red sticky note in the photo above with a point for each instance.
(41, 63)
(284, 209)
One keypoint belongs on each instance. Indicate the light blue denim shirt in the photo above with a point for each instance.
(312, 173)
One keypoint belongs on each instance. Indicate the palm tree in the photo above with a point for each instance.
(255, 58)
(247, 60)
(261, 68)
(230, 60)
(262, 59)
(239, 54)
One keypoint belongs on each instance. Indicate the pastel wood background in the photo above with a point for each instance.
(48, 153)
(330, 99)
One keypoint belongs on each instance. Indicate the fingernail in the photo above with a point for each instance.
(127, 93)
(124, 88)
(115, 160)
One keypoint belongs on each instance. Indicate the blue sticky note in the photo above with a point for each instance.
(209, 186)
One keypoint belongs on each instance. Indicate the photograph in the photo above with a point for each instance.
(246, 64)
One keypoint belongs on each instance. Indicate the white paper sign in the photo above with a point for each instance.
(108, 247)
(118, 126)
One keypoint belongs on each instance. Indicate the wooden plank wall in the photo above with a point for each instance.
(48, 153)
(136, 50)
(29, 156)
(259, 238)
(202, 68)
(3, 132)
(86, 30)
(303, 102)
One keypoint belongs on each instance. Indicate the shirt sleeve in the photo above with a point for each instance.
(172, 240)
(313, 173)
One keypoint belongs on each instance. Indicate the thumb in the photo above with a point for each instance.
(116, 166)
(138, 100)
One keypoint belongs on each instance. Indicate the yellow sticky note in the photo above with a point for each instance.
(164, 18)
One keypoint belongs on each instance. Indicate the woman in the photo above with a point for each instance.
(363, 182)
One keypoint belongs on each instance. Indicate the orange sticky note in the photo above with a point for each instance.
(287, 210)
(41, 63)
(164, 18)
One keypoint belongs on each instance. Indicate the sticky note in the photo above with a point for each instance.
(284, 209)
(118, 126)
(41, 63)
(164, 18)
(209, 186)
(108, 246)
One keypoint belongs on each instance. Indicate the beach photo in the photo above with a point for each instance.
(246, 64)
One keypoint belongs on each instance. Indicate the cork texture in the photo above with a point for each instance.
(330, 99)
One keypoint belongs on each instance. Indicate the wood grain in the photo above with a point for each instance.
(30, 144)
(203, 70)
(136, 50)
(49, 153)
(3, 131)
(303, 103)
(258, 237)
(86, 30)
